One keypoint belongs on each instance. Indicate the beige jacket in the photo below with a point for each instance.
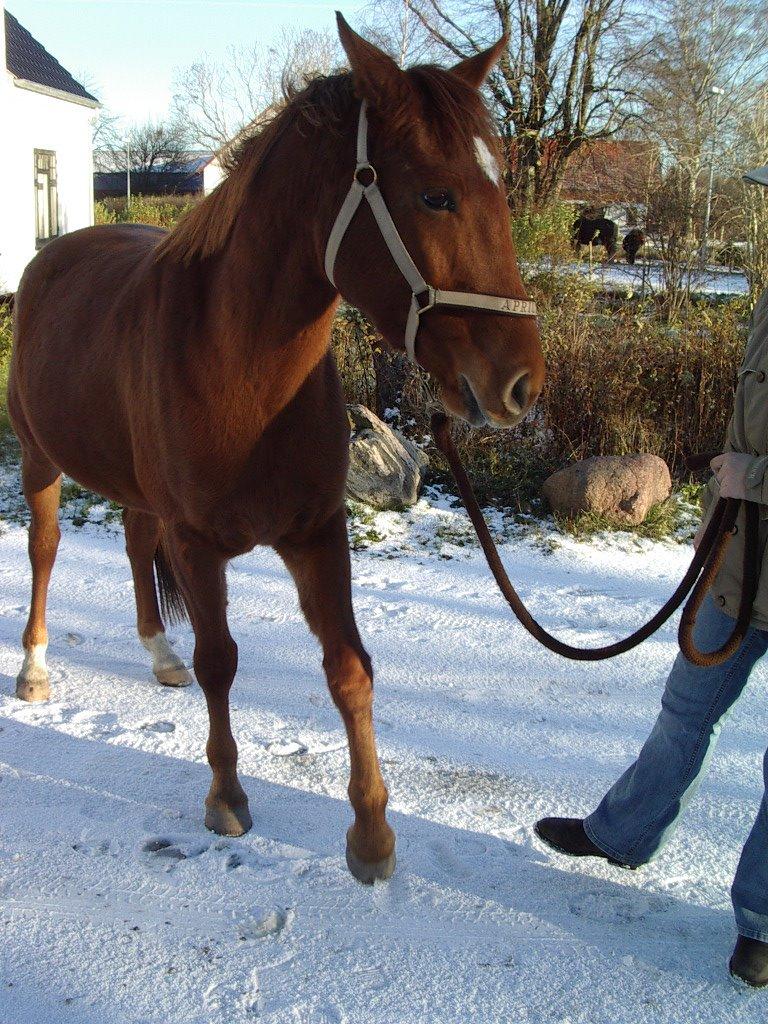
(748, 433)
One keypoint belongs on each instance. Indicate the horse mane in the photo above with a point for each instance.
(453, 109)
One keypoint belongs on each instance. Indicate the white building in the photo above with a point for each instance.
(213, 174)
(46, 173)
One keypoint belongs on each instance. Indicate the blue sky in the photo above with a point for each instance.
(129, 49)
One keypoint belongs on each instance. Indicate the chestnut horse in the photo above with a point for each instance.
(188, 377)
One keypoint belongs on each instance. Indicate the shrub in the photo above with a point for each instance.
(634, 382)
(160, 211)
(544, 233)
(353, 340)
(618, 381)
(5, 359)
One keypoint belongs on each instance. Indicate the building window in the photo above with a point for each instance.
(46, 197)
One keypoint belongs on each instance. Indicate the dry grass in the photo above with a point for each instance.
(628, 380)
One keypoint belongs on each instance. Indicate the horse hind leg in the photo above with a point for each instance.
(142, 540)
(198, 571)
(41, 482)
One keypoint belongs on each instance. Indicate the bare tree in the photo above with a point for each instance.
(708, 62)
(395, 26)
(105, 133)
(105, 126)
(154, 146)
(566, 78)
(218, 100)
(753, 152)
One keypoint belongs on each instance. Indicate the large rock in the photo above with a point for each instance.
(418, 455)
(385, 470)
(621, 487)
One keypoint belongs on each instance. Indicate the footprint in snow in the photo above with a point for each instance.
(165, 852)
(163, 849)
(161, 726)
(94, 723)
(92, 849)
(285, 748)
(458, 859)
(262, 925)
(602, 906)
(222, 996)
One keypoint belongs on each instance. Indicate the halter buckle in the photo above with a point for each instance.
(430, 303)
(360, 169)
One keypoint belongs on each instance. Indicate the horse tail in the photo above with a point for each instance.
(170, 598)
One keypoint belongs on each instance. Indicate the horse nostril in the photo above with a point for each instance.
(519, 392)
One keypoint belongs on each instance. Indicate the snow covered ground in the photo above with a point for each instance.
(712, 281)
(119, 908)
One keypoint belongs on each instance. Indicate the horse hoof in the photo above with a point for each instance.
(174, 676)
(33, 686)
(228, 821)
(370, 872)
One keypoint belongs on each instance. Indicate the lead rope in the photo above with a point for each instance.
(696, 582)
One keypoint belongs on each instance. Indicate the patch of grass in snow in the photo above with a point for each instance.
(361, 526)
(435, 525)
(438, 525)
(675, 519)
(78, 506)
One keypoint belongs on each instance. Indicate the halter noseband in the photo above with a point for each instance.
(424, 297)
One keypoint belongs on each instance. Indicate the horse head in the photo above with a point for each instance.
(433, 155)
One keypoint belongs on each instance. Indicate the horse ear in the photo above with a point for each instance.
(475, 70)
(373, 71)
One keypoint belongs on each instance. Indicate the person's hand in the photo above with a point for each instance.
(731, 470)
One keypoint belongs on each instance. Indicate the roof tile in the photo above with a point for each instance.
(26, 58)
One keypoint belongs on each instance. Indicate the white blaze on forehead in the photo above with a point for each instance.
(487, 161)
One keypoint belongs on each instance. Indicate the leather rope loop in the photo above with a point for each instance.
(695, 584)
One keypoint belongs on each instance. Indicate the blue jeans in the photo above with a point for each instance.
(638, 815)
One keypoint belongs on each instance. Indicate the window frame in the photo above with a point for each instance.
(52, 195)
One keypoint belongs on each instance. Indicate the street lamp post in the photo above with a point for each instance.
(717, 93)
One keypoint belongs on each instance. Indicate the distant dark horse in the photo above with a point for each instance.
(634, 240)
(600, 231)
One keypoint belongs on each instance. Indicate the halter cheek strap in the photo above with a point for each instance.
(423, 296)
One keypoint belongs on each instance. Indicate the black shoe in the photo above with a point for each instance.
(749, 963)
(567, 835)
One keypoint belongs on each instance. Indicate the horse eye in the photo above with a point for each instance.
(438, 199)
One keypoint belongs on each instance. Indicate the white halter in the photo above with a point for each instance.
(424, 296)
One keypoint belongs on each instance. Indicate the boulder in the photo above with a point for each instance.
(385, 470)
(621, 487)
(418, 455)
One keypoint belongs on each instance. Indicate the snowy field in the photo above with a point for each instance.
(119, 908)
(714, 281)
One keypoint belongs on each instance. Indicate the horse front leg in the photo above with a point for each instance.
(200, 572)
(321, 569)
(42, 488)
